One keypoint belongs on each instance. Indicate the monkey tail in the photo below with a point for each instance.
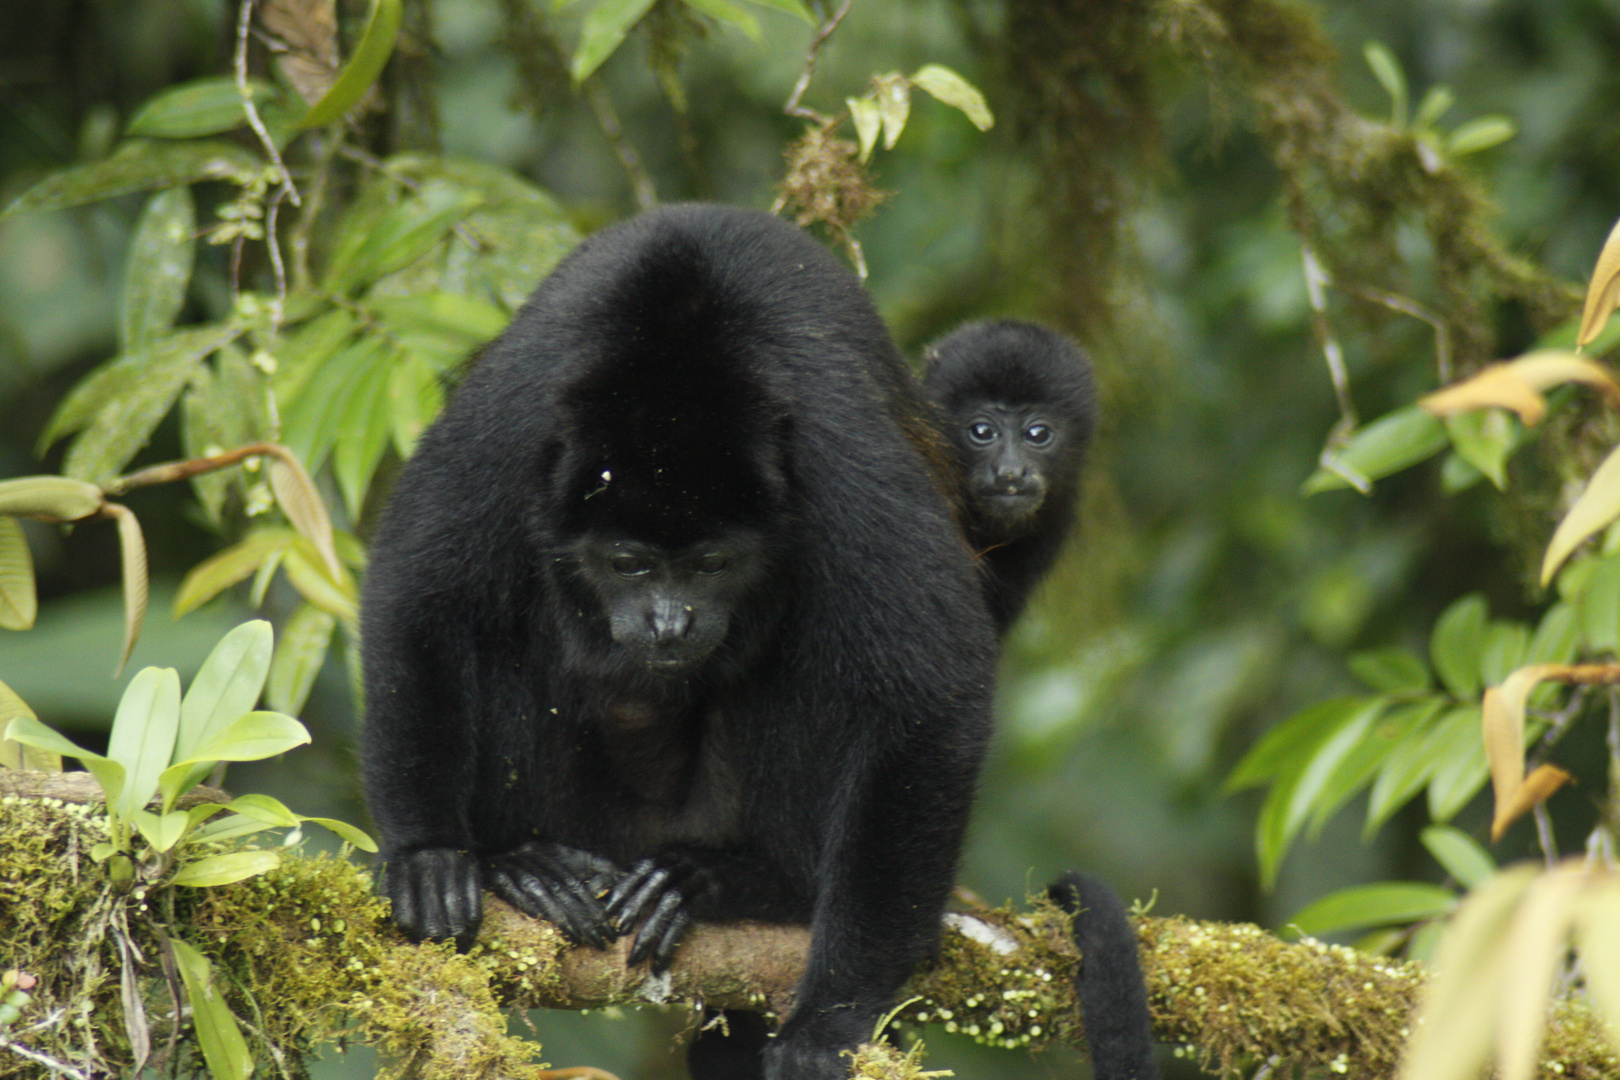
(1113, 994)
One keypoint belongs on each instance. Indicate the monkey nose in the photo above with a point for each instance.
(669, 621)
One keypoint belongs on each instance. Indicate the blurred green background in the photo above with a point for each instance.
(1204, 600)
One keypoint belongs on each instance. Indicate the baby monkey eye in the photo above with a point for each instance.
(712, 563)
(981, 432)
(1038, 434)
(628, 565)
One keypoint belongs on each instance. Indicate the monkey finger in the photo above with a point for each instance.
(538, 897)
(630, 898)
(666, 917)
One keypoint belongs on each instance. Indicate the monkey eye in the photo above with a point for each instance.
(1037, 434)
(981, 432)
(713, 563)
(628, 565)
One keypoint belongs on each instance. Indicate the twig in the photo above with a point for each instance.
(641, 181)
(1316, 282)
(170, 471)
(285, 190)
(49, 1062)
(1442, 333)
(793, 108)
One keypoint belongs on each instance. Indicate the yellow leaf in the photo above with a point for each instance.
(1531, 958)
(1603, 294)
(1597, 936)
(1497, 386)
(302, 504)
(1536, 789)
(1502, 727)
(1598, 505)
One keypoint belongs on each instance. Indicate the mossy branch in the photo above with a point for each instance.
(311, 945)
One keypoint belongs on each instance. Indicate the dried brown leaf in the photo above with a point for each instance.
(1603, 294)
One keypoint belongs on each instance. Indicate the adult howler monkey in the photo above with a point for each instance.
(667, 620)
(1018, 406)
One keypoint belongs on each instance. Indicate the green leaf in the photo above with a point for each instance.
(1381, 904)
(1484, 438)
(1480, 134)
(1387, 445)
(312, 421)
(1502, 653)
(1392, 670)
(315, 585)
(721, 11)
(19, 603)
(893, 96)
(467, 318)
(224, 869)
(49, 496)
(30, 732)
(415, 398)
(162, 831)
(252, 737)
(358, 75)
(1435, 104)
(1388, 72)
(1296, 792)
(223, 1047)
(1600, 604)
(307, 350)
(132, 561)
(224, 406)
(1597, 506)
(363, 434)
(226, 687)
(1460, 854)
(603, 31)
(1557, 639)
(1458, 644)
(1461, 769)
(296, 495)
(868, 122)
(231, 827)
(955, 91)
(140, 166)
(1377, 746)
(792, 7)
(140, 388)
(143, 733)
(400, 236)
(219, 572)
(299, 656)
(1456, 475)
(200, 107)
(345, 831)
(1290, 744)
(157, 268)
(13, 754)
(265, 809)
(1408, 768)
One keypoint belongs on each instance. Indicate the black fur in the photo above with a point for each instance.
(1113, 997)
(1016, 515)
(694, 375)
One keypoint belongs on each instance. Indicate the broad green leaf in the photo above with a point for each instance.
(1557, 639)
(306, 350)
(229, 828)
(415, 398)
(1387, 445)
(721, 11)
(312, 421)
(603, 31)
(1460, 854)
(219, 572)
(132, 561)
(140, 165)
(223, 407)
(1391, 669)
(1506, 642)
(364, 66)
(162, 831)
(1598, 505)
(1456, 475)
(1408, 769)
(1387, 735)
(252, 737)
(157, 268)
(893, 96)
(1435, 104)
(143, 733)
(1600, 604)
(315, 585)
(263, 808)
(363, 435)
(1484, 438)
(1290, 744)
(19, 603)
(224, 869)
(1480, 134)
(1460, 766)
(868, 120)
(345, 831)
(474, 321)
(1296, 791)
(299, 656)
(1380, 904)
(223, 1047)
(792, 7)
(955, 91)
(200, 107)
(50, 497)
(13, 754)
(28, 731)
(1458, 644)
(226, 687)
(149, 380)
(402, 235)
(1388, 72)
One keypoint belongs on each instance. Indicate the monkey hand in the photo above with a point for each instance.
(563, 885)
(435, 894)
(657, 895)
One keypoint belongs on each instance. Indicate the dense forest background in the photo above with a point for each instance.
(1127, 194)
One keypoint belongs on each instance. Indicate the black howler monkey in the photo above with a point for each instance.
(667, 620)
(1018, 406)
